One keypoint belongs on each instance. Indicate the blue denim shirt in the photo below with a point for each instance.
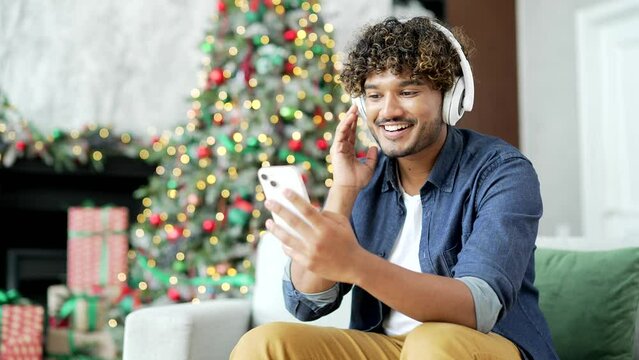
(481, 210)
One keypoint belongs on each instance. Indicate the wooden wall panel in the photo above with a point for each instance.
(492, 27)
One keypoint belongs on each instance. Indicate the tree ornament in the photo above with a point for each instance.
(240, 213)
(287, 113)
(174, 234)
(288, 67)
(253, 17)
(290, 35)
(171, 184)
(317, 49)
(179, 266)
(321, 144)
(155, 220)
(222, 268)
(193, 199)
(247, 66)
(209, 225)
(221, 6)
(21, 145)
(216, 76)
(173, 294)
(155, 139)
(295, 145)
(203, 152)
(57, 134)
(217, 119)
(253, 143)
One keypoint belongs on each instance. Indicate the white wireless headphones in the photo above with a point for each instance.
(459, 98)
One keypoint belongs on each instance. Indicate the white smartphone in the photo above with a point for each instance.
(274, 179)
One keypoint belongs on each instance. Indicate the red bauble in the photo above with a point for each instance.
(155, 220)
(217, 76)
(174, 234)
(203, 152)
(321, 144)
(288, 67)
(173, 294)
(268, 3)
(290, 35)
(295, 145)
(155, 139)
(209, 225)
(221, 6)
(243, 205)
(21, 145)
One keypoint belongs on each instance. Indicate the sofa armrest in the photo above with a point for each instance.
(208, 330)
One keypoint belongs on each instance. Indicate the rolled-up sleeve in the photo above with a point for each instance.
(305, 306)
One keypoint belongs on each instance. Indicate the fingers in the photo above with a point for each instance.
(299, 222)
(345, 131)
(308, 211)
(371, 156)
(288, 240)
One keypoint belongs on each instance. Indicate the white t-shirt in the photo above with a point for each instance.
(405, 254)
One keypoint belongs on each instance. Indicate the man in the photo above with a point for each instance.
(435, 236)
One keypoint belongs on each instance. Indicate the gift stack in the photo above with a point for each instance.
(80, 312)
(21, 327)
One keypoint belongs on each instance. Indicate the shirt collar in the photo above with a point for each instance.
(444, 170)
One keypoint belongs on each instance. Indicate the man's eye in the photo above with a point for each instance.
(409, 93)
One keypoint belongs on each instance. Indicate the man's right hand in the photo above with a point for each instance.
(348, 171)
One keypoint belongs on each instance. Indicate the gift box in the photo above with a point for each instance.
(67, 343)
(21, 332)
(82, 312)
(97, 247)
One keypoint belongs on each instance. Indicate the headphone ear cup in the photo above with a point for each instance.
(452, 108)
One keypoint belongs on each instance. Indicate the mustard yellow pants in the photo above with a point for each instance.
(291, 341)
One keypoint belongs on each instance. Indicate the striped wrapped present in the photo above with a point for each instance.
(97, 247)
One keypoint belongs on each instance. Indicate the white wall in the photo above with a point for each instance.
(549, 128)
(129, 64)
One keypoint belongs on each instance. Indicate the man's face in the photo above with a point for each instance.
(403, 115)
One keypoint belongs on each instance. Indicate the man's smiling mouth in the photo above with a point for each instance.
(395, 127)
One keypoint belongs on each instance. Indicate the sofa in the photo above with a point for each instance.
(590, 299)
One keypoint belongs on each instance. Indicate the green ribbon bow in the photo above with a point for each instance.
(70, 304)
(10, 297)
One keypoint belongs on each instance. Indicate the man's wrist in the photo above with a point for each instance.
(341, 199)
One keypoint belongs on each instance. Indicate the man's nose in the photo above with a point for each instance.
(391, 108)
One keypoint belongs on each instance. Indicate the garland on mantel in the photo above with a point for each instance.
(63, 150)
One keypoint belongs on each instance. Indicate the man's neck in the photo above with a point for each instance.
(415, 169)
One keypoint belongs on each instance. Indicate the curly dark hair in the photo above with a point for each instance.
(412, 47)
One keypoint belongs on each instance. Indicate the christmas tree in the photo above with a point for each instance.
(268, 94)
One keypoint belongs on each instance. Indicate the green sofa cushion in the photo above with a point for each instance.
(590, 300)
